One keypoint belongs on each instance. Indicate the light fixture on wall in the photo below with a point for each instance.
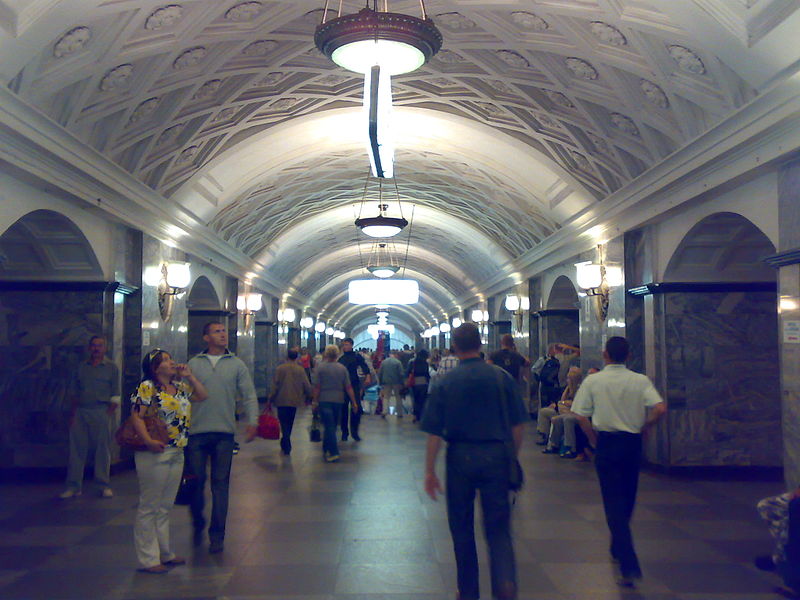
(480, 316)
(329, 331)
(320, 327)
(249, 304)
(517, 305)
(596, 280)
(307, 322)
(171, 279)
(444, 327)
(457, 322)
(287, 315)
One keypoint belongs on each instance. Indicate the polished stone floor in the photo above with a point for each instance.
(362, 529)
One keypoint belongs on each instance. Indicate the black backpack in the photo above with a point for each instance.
(549, 373)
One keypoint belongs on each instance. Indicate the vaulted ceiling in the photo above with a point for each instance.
(533, 111)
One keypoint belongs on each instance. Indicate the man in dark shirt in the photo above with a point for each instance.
(353, 360)
(509, 359)
(465, 409)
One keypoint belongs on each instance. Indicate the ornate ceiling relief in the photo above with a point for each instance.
(559, 76)
(117, 78)
(72, 41)
(164, 17)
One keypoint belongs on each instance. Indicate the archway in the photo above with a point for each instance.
(204, 306)
(721, 349)
(52, 301)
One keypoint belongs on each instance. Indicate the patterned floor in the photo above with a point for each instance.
(362, 529)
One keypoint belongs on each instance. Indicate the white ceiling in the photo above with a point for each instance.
(534, 111)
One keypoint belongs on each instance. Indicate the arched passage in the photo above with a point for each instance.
(204, 305)
(721, 346)
(43, 332)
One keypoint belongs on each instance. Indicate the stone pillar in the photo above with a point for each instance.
(787, 260)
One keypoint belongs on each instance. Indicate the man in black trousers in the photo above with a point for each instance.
(622, 404)
(466, 409)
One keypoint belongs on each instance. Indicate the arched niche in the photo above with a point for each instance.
(723, 247)
(204, 306)
(45, 245)
(562, 295)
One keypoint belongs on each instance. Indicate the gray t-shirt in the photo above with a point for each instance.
(332, 379)
(95, 384)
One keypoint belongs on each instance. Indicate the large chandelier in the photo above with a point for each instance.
(395, 42)
(379, 44)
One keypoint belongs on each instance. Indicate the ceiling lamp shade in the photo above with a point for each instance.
(396, 42)
(381, 226)
(383, 291)
(320, 327)
(383, 272)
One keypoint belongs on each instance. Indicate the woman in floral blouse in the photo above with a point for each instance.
(166, 391)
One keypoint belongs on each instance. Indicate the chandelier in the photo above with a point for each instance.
(395, 42)
(381, 225)
(380, 261)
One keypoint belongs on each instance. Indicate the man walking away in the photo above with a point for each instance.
(290, 389)
(548, 384)
(621, 404)
(466, 409)
(353, 361)
(390, 378)
(225, 377)
(95, 398)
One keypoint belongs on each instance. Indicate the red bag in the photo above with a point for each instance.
(269, 427)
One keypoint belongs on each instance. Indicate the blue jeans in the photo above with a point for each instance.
(218, 447)
(330, 413)
(484, 467)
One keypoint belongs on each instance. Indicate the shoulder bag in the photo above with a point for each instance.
(516, 477)
(127, 436)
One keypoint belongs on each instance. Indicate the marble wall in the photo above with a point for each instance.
(43, 337)
(722, 378)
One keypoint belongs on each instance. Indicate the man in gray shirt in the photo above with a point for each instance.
(390, 378)
(213, 426)
(95, 397)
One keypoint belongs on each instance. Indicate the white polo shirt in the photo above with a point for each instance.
(616, 399)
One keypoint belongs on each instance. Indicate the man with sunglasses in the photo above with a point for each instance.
(227, 379)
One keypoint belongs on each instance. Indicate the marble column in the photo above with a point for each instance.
(787, 260)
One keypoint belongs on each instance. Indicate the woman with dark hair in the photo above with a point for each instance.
(422, 377)
(166, 391)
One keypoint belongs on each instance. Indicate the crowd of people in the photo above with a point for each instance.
(475, 405)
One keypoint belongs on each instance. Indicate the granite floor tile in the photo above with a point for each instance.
(278, 581)
(398, 578)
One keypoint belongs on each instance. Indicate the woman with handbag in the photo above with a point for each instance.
(418, 379)
(165, 394)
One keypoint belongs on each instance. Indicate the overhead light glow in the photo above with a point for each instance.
(383, 291)
(383, 272)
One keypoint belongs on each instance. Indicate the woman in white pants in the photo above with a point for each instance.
(166, 391)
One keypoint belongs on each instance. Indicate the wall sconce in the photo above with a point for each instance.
(444, 327)
(286, 315)
(597, 281)
(457, 322)
(249, 305)
(171, 279)
(320, 327)
(480, 316)
(329, 331)
(307, 322)
(517, 305)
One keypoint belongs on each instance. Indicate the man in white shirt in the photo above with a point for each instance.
(622, 404)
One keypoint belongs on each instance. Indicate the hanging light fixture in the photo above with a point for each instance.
(395, 42)
(381, 225)
(380, 261)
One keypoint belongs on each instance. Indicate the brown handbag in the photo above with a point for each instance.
(127, 437)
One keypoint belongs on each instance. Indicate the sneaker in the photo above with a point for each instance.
(67, 494)
(331, 458)
(236, 447)
(107, 493)
(568, 454)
